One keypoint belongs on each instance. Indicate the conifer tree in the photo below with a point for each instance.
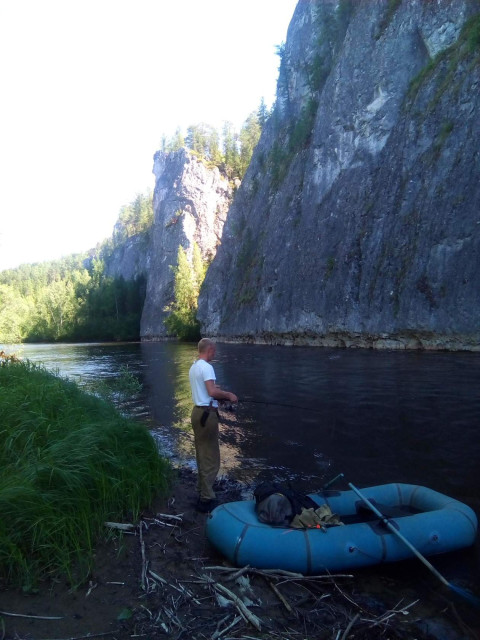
(262, 113)
(182, 320)
(249, 136)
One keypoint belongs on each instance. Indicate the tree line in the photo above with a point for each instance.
(73, 299)
(228, 149)
(68, 300)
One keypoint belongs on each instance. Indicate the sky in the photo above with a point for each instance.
(88, 89)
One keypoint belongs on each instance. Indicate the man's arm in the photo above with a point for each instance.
(214, 391)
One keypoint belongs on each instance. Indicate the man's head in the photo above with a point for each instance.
(206, 349)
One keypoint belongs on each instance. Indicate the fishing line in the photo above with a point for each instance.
(280, 404)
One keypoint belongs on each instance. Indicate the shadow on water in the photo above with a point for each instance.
(307, 414)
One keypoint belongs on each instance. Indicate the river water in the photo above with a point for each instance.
(307, 414)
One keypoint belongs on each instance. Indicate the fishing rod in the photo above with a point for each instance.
(230, 407)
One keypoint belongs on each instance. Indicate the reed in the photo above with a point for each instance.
(68, 462)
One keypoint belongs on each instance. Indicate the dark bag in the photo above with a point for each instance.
(278, 504)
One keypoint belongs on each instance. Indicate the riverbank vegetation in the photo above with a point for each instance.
(182, 321)
(69, 462)
(68, 300)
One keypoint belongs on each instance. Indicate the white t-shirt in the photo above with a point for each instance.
(200, 371)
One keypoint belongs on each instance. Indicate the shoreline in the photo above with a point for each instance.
(164, 578)
(401, 341)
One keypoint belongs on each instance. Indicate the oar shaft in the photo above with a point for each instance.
(394, 530)
(332, 481)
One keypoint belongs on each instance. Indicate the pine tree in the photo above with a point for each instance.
(182, 320)
(249, 137)
(262, 113)
(175, 143)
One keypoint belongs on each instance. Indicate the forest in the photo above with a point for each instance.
(72, 299)
(68, 300)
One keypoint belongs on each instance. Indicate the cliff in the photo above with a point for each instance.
(131, 259)
(357, 223)
(190, 204)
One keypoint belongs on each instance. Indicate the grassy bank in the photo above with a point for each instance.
(68, 463)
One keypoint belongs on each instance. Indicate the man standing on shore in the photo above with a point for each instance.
(205, 394)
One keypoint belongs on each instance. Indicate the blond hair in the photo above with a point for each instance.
(204, 344)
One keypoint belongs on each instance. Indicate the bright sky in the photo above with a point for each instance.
(88, 87)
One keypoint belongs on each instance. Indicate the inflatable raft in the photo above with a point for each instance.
(432, 522)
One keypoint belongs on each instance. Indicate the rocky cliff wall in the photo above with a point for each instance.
(131, 259)
(358, 220)
(190, 205)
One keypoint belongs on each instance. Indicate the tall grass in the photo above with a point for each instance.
(68, 463)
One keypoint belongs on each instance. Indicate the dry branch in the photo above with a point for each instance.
(170, 516)
(350, 625)
(93, 635)
(278, 573)
(384, 618)
(238, 602)
(157, 578)
(23, 615)
(238, 573)
(282, 598)
(120, 525)
(144, 580)
(218, 633)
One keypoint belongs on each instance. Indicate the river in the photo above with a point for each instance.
(307, 414)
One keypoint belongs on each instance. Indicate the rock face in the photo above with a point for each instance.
(190, 205)
(131, 259)
(358, 221)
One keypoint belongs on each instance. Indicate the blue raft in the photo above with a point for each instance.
(432, 522)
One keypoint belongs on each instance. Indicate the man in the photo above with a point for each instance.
(205, 394)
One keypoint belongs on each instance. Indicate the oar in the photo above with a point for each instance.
(332, 481)
(462, 592)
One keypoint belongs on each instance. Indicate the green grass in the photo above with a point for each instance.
(68, 463)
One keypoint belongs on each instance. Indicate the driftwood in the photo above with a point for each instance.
(144, 579)
(93, 635)
(121, 526)
(278, 573)
(282, 598)
(238, 602)
(218, 633)
(23, 615)
(350, 625)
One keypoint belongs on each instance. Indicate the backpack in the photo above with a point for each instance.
(278, 504)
